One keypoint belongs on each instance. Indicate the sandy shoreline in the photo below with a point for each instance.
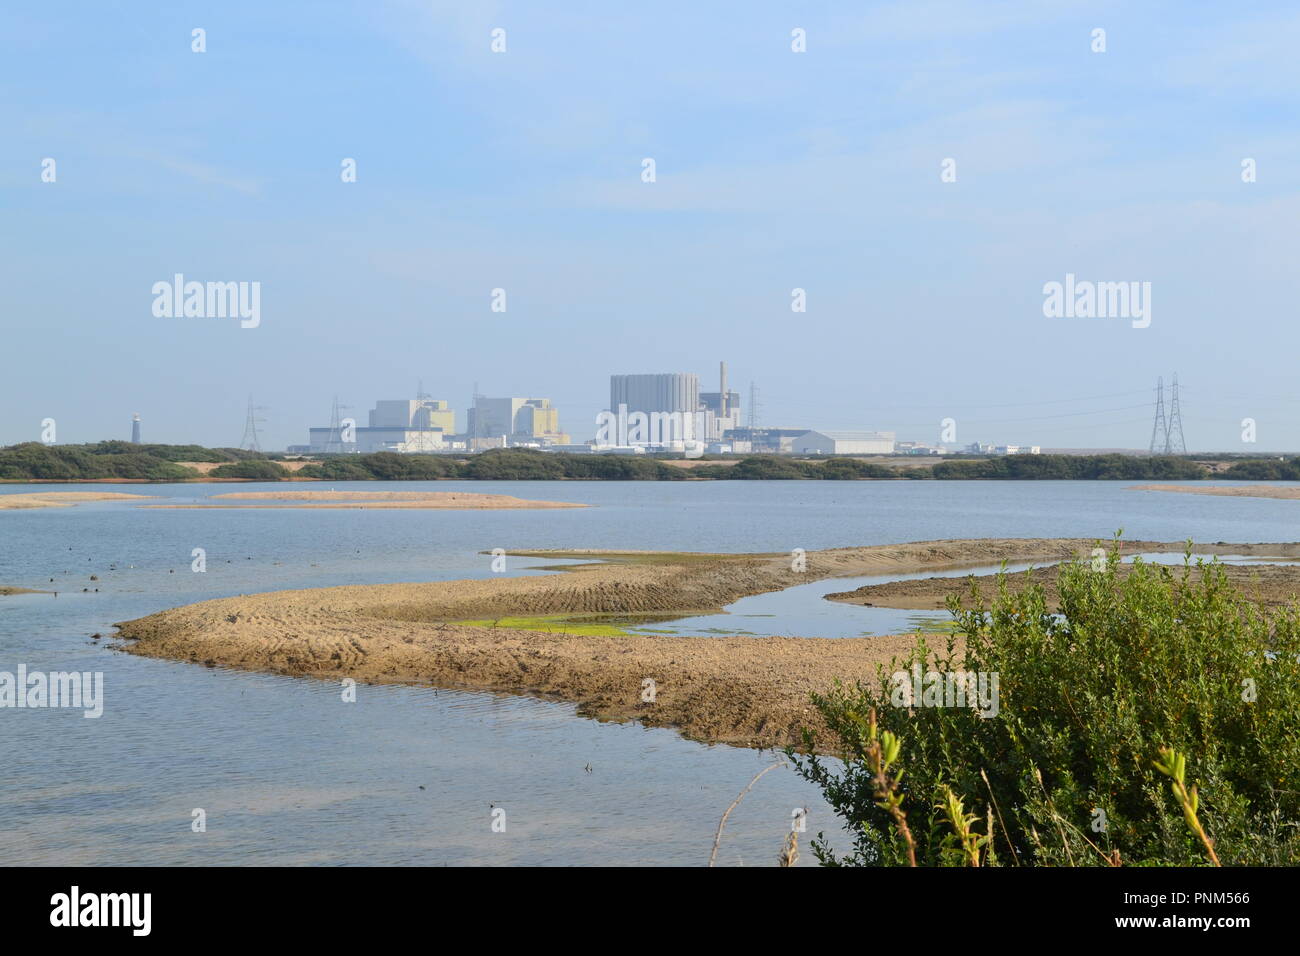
(1230, 491)
(448, 500)
(738, 690)
(60, 499)
(1269, 585)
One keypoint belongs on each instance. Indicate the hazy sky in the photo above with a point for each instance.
(775, 170)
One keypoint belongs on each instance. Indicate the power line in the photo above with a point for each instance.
(1160, 427)
(334, 443)
(1175, 445)
(1167, 433)
(250, 440)
(1036, 418)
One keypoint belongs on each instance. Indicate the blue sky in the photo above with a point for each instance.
(775, 170)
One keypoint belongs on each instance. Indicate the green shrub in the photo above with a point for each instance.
(1065, 773)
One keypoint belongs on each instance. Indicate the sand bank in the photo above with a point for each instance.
(1273, 585)
(738, 690)
(1231, 491)
(452, 500)
(60, 499)
(203, 467)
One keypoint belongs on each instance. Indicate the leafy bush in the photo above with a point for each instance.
(1089, 700)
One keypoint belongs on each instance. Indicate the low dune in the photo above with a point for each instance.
(1230, 491)
(60, 499)
(203, 467)
(451, 500)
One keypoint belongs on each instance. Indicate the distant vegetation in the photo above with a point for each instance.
(33, 460)
(768, 467)
(1092, 467)
(170, 452)
(257, 470)
(383, 466)
(513, 464)
(1270, 470)
(123, 460)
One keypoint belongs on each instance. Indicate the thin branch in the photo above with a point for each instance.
(1005, 832)
(723, 822)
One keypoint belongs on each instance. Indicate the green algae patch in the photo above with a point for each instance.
(554, 624)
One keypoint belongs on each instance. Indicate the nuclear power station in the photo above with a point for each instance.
(648, 413)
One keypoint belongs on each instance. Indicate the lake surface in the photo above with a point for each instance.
(289, 774)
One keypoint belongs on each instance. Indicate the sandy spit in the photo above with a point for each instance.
(1231, 491)
(60, 499)
(738, 690)
(452, 500)
(1273, 585)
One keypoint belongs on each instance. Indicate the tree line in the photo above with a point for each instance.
(122, 460)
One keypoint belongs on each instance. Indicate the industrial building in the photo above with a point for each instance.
(673, 408)
(497, 422)
(844, 443)
(398, 425)
(667, 392)
(763, 441)
(721, 408)
(413, 414)
(984, 448)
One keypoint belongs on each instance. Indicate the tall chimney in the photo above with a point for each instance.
(135, 429)
(722, 397)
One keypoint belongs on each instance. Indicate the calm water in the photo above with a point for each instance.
(287, 773)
